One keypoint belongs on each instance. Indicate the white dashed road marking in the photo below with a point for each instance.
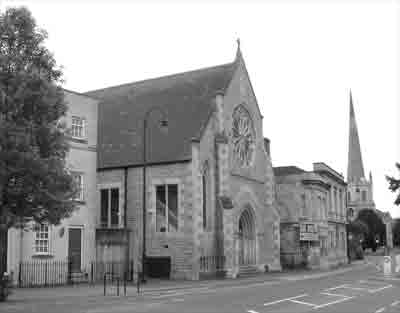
(395, 303)
(287, 299)
(337, 287)
(251, 311)
(379, 289)
(334, 294)
(302, 302)
(380, 310)
(333, 302)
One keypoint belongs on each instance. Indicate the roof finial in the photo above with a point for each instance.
(238, 52)
(351, 105)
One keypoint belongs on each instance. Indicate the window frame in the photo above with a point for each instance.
(109, 189)
(165, 185)
(82, 126)
(36, 238)
(81, 196)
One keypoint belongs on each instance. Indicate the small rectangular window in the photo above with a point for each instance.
(109, 208)
(79, 184)
(114, 207)
(78, 127)
(104, 207)
(42, 239)
(167, 208)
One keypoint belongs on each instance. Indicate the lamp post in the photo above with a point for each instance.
(164, 124)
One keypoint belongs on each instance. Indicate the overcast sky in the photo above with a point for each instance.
(302, 56)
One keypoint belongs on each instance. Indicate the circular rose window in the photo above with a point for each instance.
(243, 136)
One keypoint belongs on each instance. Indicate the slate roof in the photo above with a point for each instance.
(187, 99)
(287, 170)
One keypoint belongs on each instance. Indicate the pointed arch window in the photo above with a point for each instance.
(205, 193)
(363, 195)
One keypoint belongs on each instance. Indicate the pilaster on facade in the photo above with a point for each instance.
(196, 209)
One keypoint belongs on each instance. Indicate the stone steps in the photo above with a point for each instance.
(248, 271)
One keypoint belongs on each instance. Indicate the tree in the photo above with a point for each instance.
(358, 228)
(35, 184)
(359, 231)
(394, 185)
(376, 228)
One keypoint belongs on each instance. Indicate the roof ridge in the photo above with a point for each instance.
(160, 77)
(79, 93)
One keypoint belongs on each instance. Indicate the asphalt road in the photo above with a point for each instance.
(360, 290)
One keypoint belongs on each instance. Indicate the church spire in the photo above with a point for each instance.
(355, 168)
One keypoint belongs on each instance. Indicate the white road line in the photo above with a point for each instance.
(333, 302)
(380, 310)
(287, 299)
(334, 294)
(178, 300)
(355, 288)
(337, 287)
(302, 302)
(251, 311)
(379, 289)
(169, 295)
(395, 303)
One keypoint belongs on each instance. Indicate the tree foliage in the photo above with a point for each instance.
(358, 228)
(34, 181)
(396, 232)
(376, 228)
(394, 185)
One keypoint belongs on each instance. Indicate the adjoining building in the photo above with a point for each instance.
(312, 215)
(36, 254)
(209, 181)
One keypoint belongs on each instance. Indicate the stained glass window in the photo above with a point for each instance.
(243, 136)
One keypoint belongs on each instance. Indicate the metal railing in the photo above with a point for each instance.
(212, 263)
(48, 273)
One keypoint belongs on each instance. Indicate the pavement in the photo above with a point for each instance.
(358, 287)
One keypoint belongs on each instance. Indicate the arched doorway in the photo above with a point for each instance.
(247, 238)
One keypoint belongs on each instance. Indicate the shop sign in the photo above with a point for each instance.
(308, 232)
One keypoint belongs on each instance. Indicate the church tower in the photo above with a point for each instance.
(359, 189)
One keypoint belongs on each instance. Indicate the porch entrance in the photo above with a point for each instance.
(247, 238)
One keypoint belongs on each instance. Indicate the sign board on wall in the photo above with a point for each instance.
(308, 232)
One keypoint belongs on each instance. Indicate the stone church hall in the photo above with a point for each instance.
(185, 177)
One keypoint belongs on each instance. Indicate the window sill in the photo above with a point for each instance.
(80, 201)
(78, 140)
